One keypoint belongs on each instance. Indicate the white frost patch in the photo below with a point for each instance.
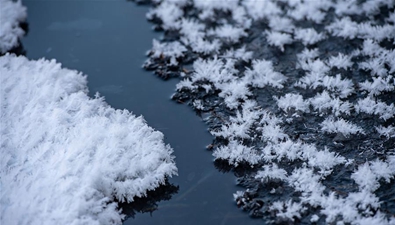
(194, 36)
(258, 9)
(368, 176)
(198, 104)
(271, 172)
(340, 126)
(289, 209)
(378, 85)
(309, 36)
(323, 160)
(315, 72)
(324, 102)
(66, 157)
(228, 32)
(311, 9)
(295, 101)
(262, 74)
(173, 50)
(284, 24)
(234, 91)
(340, 61)
(342, 87)
(240, 125)
(349, 29)
(11, 14)
(388, 132)
(235, 153)
(240, 53)
(308, 54)
(371, 106)
(169, 12)
(222, 75)
(278, 39)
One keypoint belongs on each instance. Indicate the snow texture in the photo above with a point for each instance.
(12, 13)
(66, 157)
(301, 91)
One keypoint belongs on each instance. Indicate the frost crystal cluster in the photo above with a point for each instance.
(65, 157)
(300, 94)
(12, 13)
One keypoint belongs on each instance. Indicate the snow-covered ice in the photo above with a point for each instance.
(303, 90)
(11, 14)
(67, 158)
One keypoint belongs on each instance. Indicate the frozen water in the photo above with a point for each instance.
(66, 157)
(301, 91)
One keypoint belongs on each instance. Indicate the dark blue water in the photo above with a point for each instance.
(107, 41)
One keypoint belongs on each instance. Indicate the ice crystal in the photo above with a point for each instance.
(67, 157)
(297, 81)
(11, 14)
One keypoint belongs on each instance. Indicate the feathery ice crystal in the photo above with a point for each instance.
(65, 157)
(302, 91)
(12, 13)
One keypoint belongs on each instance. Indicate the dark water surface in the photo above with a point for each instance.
(107, 40)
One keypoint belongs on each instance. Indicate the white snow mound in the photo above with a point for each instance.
(65, 157)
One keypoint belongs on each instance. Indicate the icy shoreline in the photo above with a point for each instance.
(301, 91)
(66, 158)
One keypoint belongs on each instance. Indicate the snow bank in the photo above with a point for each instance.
(66, 157)
(11, 14)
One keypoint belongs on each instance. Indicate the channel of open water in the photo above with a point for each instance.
(107, 40)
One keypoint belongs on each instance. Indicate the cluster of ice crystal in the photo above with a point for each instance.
(65, 157)
(173, 50)
(303, 90)
(12, 13)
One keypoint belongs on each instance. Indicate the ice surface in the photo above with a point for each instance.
(303, 91)
(66, 157)
(11, 14)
